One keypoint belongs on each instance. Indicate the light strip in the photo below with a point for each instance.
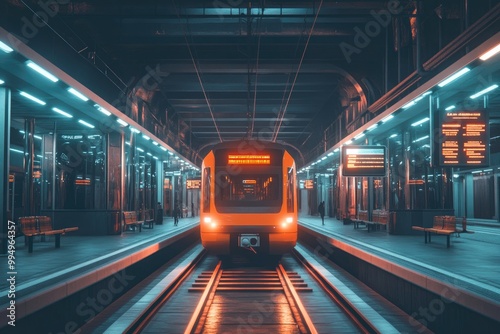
(41, 71)
(101, 109)
(490, 53)
(122, 122)
(170, 153)
(155, 143)
(361, 135)
(37, 137)
(140, 149)
(163, 148)
(388, 118)
(449, 108)
(420, 122)
(149, 154)
(324, 158)
(409, 104)
(1, 82)
(14, 150)
(330, 154)
(59, 111)
(134, 130)
(484, 91)
(86, 124)
(146, 137)
(372, 127)
(393, 135)
(5, 48)
(348, 142)
(78, 94)
(32, 98)
(454, 76)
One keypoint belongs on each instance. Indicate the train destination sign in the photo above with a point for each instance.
(464, 138)
(363, 160)
(249, 159)
(193, 184)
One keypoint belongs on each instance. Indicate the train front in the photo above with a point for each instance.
(249, 202)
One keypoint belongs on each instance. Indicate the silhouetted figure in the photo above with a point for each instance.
(321, 210)
(176, 214)
(159, 214)
(192, 209)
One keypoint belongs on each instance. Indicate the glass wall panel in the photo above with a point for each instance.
(80, 171)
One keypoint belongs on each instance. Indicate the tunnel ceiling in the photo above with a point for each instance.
(222, 70)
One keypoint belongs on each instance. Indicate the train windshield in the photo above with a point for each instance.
(247, 191)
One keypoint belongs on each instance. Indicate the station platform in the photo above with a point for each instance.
(471, 262)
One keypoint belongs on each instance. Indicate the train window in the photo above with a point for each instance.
(247, 189)
(206, 189)
(290, 190)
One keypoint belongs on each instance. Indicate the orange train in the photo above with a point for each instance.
(248, 199)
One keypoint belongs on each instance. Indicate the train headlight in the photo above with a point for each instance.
(207, 220)
(283, 225)
(289, 220)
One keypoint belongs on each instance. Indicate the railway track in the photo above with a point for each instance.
(210, 296)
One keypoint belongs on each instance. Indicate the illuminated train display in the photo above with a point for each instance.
(248, 199)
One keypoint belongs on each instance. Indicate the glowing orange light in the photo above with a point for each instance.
(249, 159)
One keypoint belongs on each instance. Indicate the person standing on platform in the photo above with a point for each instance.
(192, 209)
(321, 210)
(176, 214)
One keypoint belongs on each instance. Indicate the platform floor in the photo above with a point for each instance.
(472, 259)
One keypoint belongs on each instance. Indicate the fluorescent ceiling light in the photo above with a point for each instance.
(420, 122)
(17, 151)
(453, 77)
(155, 157)
(348, 142)
(318, 161)
(359, 136)
(330, 154)
(5, 48)
(134, 130)
(163, 148)
(101, 109)
(1, 82)
(388, 118)
(408, 105)
(484, 91)
(324, 158)
(32, 98)
(59, 111)
(449, 108)
(140, 149)
(393, 135)
(146, 137)
(122, 122)
(86, 124)
(490, 53)
(372, 127)
(155, 143)
(149, 154)
(37, 137)
(336, 150)
(78, 94)
(41, 71)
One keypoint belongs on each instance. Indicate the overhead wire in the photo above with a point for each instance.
(280, 121)
(198, 74)
(256, 74)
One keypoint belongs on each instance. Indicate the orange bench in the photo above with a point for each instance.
(379, 218)
(41, 225)
(130, 218)
(443, 225)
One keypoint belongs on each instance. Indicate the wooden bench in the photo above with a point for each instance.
(130, 218)
(362, 218)
(147, 217)
(41, 225)
(443, 225)
(379, 218)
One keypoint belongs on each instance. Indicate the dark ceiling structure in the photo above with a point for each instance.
(212, 71)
